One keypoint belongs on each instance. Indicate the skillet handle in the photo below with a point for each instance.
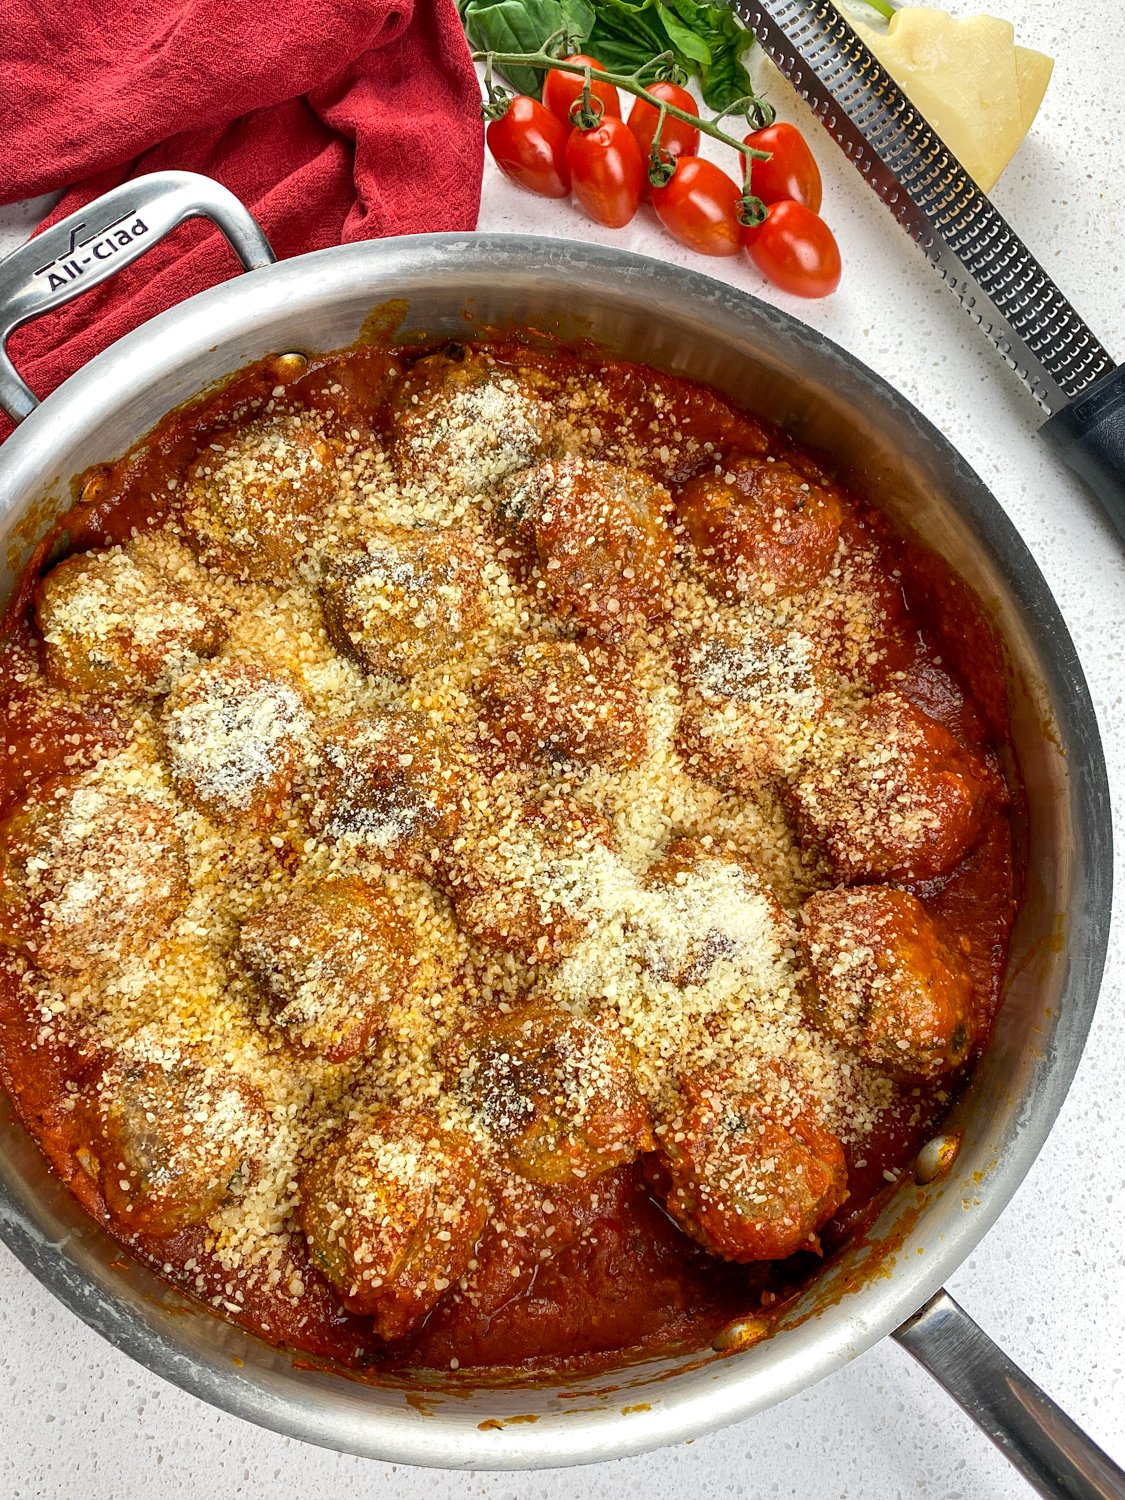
(1053, 1454)
(1089, 435)
(90, 245)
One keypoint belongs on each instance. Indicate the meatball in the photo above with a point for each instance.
(713, 908)
(234, 734)
(564, 700)
(251, 497)
(859, 618)
(524, 878)
(759, 529)
(409, 601)
(392, 1209)
(599, 535)
(87, 876)
(113, 626)
(557, 1093)
(173, 1138)
(887, 980)
(747, 1169)
(891, 795)
(752, 698)
(390, 782)
(462, 423)
(331, 961)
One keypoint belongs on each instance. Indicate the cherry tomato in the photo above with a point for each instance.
(607, 172)
(796, 250)
(699, 207)
(791, 171)
(561, 90)
(678, 138)
(529, 145)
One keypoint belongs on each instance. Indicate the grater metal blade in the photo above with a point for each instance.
(986, 265)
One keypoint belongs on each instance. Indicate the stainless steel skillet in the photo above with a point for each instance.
(683, 322)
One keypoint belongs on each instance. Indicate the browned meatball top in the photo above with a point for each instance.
(331, 959)
(408, 600)
(112, 624)
(759, 529)
(716, 908)
(747, 1168)
(752, 698)
(888, 981)
(564, 700)
(392, 1209)
(390, 782)
(252, 496)
(462, 422)
(523, 877)
(87, 876)
(173, 1138)
(599, 536)
(891, 795)
(235, 734)
(556, 1092)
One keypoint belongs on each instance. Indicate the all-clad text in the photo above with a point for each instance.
(98, 247)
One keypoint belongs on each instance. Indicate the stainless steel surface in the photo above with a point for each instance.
(1054, 1456)
(983, 261)
(684, 322)
(86, 247)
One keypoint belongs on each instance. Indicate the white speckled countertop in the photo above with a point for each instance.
(1048, 1281)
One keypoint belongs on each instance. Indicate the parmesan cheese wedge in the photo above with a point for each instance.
(977, 89)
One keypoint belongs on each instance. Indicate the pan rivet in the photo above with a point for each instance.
(289, 366)
(936, 1157)
(742, 1333)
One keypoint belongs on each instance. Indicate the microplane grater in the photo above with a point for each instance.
(994, 275)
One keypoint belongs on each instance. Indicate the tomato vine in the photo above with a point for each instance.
(587, 112)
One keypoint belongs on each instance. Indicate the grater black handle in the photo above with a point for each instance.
(1089, 435)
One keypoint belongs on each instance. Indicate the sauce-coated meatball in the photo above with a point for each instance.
(112, 625)
(87, 876)
(556, 1092)
(715, 908)
(887, 980)
(747, 1169)
(891, 795)
(462, 424)
(331, 959)
(564, 700)
(524, 879)
(234, 734)
(409, 600)
(173, 1139)
(859, 619)
(751, 700)
(390, 782)
(599, 535)
(251, 497)
(392, 1209)
(759, 530)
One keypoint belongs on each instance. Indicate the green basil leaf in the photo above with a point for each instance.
(685, 41)
(724, 79)
(627, 34)
(706, 40)
(524, 26)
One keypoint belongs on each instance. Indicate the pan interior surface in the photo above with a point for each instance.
(458, 286)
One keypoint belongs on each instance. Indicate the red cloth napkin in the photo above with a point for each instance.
(332, 120)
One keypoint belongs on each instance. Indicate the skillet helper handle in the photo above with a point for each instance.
(1089, 435)
(1036, 1436)
(90, 245)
